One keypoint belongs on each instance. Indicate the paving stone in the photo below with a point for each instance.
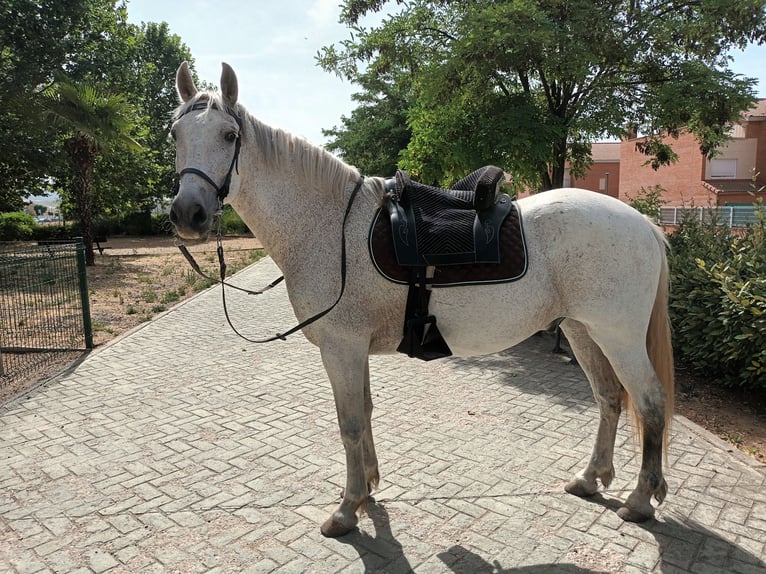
(227, 458)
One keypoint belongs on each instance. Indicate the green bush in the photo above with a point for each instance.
(718, 300)
(137, 223)
(15, 226)
(55, 231)
(161, 224)
(231, 223)
(648, 201)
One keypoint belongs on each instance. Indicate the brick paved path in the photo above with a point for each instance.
(180, 448)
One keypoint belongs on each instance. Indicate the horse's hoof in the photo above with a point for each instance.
(632, 515)
(581, 488)
(338, 525)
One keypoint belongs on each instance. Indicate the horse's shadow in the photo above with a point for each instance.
(682, 546)
(564, 382)
(382, 552)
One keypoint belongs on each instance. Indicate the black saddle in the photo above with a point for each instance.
(429, 237)
(451, 231)
(433, 226)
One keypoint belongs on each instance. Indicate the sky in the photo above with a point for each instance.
(272, 44)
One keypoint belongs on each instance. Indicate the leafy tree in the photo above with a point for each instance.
(36, 38)
(90, 42)
(375, 133)
(145, 75)
(152, 85)
(94, 123)
(529, 84)
(10, 200)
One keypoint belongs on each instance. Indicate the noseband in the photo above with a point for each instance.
(223, 190)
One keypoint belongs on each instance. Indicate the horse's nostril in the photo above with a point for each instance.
(199, 217)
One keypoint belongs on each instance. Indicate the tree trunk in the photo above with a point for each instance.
(552, 175)
(82, 153)
(559, 163)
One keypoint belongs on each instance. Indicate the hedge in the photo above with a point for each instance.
(718, 300)
(15, 226)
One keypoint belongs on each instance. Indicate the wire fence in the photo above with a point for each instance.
(44, 308)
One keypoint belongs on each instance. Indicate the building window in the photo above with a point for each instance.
(723, 169)
(603, 183)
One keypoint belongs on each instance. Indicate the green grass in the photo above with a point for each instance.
(171, 296)
(99, 326)
(149, 296)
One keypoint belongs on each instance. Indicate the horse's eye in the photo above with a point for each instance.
(231, 137)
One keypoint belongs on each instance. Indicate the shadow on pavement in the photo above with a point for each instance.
(683, 546)
(564, 380)
(462, 561)
(381, 553)
(687, 546)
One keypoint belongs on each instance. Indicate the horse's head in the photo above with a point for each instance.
(207, 130)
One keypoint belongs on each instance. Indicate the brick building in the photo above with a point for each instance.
(620, 170)
(604, 174)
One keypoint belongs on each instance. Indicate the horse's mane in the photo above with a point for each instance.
(319, 168)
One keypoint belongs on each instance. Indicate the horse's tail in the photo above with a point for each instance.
(659, 346)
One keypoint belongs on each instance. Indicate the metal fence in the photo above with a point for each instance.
(733, 215)
(44, 308)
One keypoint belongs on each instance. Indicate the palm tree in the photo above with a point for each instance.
(94, 123)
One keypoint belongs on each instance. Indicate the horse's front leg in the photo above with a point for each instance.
(346, 367)
(371, 473)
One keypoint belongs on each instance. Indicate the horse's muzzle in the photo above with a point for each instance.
(191, 218)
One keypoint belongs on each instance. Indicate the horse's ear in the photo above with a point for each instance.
(185, 83)
(229, 84)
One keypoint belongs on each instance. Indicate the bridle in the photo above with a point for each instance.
(221, 193)
(223, 190)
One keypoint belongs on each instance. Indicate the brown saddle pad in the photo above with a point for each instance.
(512, 266)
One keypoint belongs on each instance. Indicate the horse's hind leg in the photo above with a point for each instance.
(608, 394)
(647, 399)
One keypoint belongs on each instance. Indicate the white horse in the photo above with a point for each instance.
(593, 261)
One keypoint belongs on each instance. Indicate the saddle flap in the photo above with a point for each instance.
(422, 340)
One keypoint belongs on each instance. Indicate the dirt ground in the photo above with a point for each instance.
(735, 415)
(137, 278)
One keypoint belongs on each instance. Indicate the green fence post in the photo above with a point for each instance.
(82, 277)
